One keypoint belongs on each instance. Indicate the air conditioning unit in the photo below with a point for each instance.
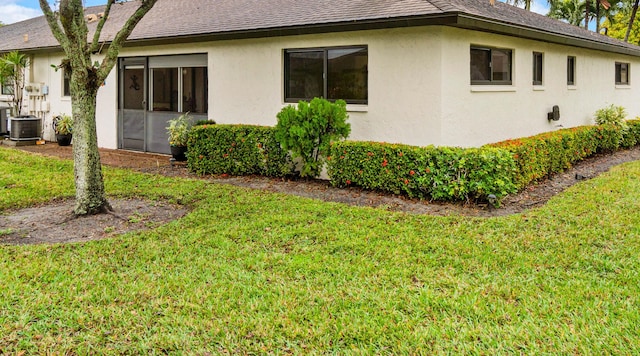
(25, 128)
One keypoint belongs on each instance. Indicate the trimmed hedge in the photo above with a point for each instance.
(439, 173)
(632, 135)
(237, 150)
(552, 152)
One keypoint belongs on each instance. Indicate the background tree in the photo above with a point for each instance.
(571, 11)
(527, 3)
(69, 27)
(618, 24)
(632, 19)
(12, 74)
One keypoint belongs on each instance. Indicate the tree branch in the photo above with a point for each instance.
(75, 27)
(96, 36)
(52, 20)
(112, 54)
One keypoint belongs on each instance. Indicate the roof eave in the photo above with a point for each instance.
(459, 20)
(487, 25)
(356, 25)
(454, 19)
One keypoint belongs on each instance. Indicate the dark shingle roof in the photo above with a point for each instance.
(191, 20)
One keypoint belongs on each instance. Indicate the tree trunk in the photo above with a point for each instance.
(90, 194)
(631, 20)
(586, 14)
(598, 16)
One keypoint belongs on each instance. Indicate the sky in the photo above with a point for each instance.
(17, 10)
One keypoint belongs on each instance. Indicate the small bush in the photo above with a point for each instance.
(309, 129)
(237, 150)
(614, 115)
(178, 129)
(439, 173)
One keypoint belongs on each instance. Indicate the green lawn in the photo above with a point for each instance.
(256, 272)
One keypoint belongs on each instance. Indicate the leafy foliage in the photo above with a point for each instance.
(309, 129)
(204, 122)
(552, 152)
(615, 115)
(12, 73)
(63, 124)
(237, 150)
(618, 25)
(611, 114)
(631, 136)
(178, 129)
(439, 173)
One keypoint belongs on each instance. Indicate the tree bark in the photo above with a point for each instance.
(90, 193)
(631, 20)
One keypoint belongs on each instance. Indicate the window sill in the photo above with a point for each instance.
(572, 87)
(492, 88)
(350, 107)
(357, 108)
(538, 88)
(623, 86)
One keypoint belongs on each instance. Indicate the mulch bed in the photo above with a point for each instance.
(533, 196)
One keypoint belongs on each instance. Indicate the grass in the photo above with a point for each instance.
(255, 272)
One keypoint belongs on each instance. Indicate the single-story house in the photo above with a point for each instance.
(420, 72)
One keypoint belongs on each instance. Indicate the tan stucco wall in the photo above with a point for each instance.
(246, 82)
(42, 72)
(472, 117)
(419, 90)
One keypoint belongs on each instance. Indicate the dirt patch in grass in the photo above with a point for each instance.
(55, 222)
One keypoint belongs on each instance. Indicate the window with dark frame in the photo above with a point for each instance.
(490, 66)
(622, 73)
(332, 73)
(571, 70)
(537, 68)
(66, 90)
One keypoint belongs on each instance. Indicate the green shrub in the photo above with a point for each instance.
(178, 129)
(237, 150)
(548, 153)
(614, 115)
(204, 122)
(632, 137)
(309, 129)
(439, 173)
